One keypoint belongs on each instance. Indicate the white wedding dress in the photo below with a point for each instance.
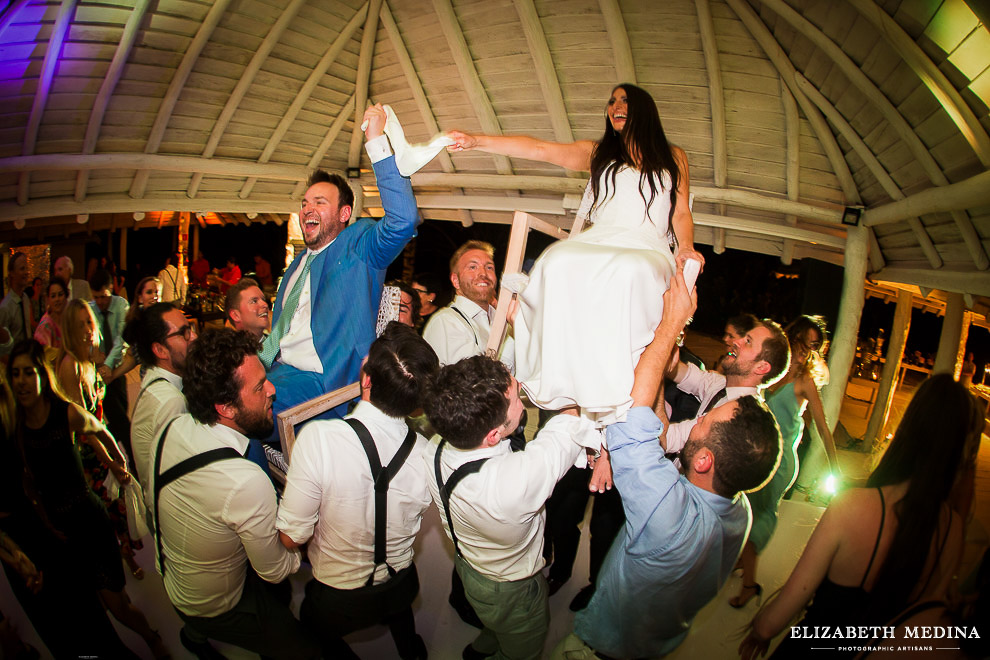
(594, 301)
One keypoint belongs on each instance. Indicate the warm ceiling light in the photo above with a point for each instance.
(138, 216)
(82, 218)
(19, 223)
(252, 215)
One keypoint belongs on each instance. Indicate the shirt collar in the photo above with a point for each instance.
(456, 457)
(228, 437)
(737, 392)
(312, 252)
(367, 411)
(468, 306)
(158, 372)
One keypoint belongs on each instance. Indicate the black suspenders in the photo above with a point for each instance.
(446, 488)
(470, 325)
(191, 464)
(382, 477)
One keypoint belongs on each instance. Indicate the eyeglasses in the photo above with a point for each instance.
(185, 331)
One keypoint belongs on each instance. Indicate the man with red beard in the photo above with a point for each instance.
(323, 320)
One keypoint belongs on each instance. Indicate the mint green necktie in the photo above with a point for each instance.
(269, 350)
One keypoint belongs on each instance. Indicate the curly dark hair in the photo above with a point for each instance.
(344, 192)
(211, 371)
(147, 327)
(468, 399)
(746, 447)
(644, 133)
(400, 363)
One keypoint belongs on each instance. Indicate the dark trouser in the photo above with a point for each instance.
(260, 622)
(115, 414)
(565, 511)
(331, 613)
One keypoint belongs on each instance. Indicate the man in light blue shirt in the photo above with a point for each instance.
(683, 532)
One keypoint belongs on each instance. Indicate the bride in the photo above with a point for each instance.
(594, 302)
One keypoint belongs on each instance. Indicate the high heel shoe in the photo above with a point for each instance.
(740, 601)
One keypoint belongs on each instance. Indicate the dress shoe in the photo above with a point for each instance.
(466, 612)
(202, 650)
(582, 598)
(555, 584)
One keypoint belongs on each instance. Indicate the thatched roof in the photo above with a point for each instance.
(789, 110)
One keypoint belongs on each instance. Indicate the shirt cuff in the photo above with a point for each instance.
(641, 425)
(378, 148)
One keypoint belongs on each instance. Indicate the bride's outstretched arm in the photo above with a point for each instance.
(683, 222)
(573, 156)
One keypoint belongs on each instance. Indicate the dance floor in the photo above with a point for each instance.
(716, 632)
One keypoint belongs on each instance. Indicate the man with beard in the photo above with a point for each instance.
(162, 336)
(218, 549)
(327, 305)
(461, 329)
(755, 361)
(247, 308)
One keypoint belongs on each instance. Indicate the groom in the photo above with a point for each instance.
(324, 316)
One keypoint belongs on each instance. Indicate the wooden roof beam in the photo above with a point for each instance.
(792, 128)
(193, 51)
(368, 38)
(419, 94)
(716, 98)
(880, 101)
(242, 86)
(476, 93)
(786, 69)
(969, 193)
(943, 90)
(323, 147)
(55, 41)
(110, 81)
(546, 72)
(306, 92)
(946, 280)
(874, 165)
(7, 17)
(615, 26)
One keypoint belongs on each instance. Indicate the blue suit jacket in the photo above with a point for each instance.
(347, 279)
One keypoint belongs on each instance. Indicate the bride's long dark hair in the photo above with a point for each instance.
(644, 132)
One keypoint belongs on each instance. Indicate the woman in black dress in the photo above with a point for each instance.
(55, 484)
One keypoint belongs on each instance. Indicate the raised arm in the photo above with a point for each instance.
(683, 222)
(90, 431)
(573, 156)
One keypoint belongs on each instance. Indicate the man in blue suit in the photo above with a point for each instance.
(330, 294)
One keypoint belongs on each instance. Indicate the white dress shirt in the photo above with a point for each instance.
(498, 512)
(296, 347)
(157, 405)
(330, 496)
(216, 519)
(173, 284)
(454, 339)
(704, 385)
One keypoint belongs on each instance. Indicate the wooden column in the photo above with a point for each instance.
(843, 351)
(182, 247)
(892, 366)
(195, 243)
(947, 358)
(122, 257)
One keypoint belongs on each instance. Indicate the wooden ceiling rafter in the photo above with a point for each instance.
(324, 146)
(411, 75)
(973, 192)
(475, 91)
(8, 14)
(369, 37)
(546, 71)
(880, 101)
(759, 31)
(618, 36)
(107, 87)
(872, 163)
(947, 95)
(243, 85)
(792, 171)
(195, 48)
(48, 65)
(306, 91)
(716, 100)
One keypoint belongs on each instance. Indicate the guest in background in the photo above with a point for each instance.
(49, 331)
(263, 270)
(45, 426)
(15, 308)
(80, 381)
(879, 549)
(77, 288)
(146, 293)
(409, 305)
(231, 273)
(173, 283)
(199, 269)
(432, 290)
(247, 308)
(39, 299)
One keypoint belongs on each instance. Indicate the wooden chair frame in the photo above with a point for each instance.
(288, 419)
(522, 223)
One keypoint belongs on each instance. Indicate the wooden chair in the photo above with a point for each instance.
(522, 222)
(290, 418)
